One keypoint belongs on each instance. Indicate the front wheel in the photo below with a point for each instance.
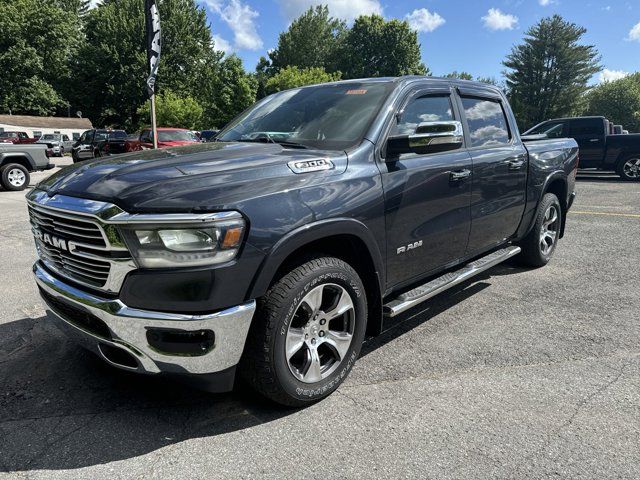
(307, 333)
(538, 246)
(629, 168)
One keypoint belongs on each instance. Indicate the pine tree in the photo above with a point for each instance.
(549, 71)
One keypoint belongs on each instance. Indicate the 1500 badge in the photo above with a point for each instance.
(409, 247)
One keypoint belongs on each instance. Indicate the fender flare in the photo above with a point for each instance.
(307, 234)
(557, 175)
(7, 158)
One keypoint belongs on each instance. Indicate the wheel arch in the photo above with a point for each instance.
(21, 159)
(558, 185)
(344, 238)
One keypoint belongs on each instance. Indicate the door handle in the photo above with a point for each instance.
(594, 140)
(458, 175)
(515, 163)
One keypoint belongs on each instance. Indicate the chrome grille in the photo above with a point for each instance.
(72, 246)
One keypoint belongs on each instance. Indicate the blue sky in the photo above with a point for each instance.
(469, 35)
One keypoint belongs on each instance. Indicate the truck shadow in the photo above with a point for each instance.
(63, 408)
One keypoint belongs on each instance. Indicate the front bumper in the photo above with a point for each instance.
(103, 324)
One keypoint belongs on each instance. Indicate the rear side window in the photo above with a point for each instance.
(487, 122)
(550, 129)
(587, 126)
(420, 110)
(117, 135)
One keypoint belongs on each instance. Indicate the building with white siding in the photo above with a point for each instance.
(37, 126)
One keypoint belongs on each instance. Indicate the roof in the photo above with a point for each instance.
(29, 121)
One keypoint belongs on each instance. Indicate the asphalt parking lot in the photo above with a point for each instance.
(517, 374)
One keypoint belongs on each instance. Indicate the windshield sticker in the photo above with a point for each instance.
(358, 91)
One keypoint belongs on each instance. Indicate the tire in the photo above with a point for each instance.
(541, 242)
(293, 316)
(61, 152)
(74, 157)
(14, 177)
(629, 168)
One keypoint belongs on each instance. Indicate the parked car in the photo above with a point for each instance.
(17, 161)
(21, 138)
(209, 135)
(57, 142)
(99, 143)
(167, 137)
(599, 147)
(319, 211)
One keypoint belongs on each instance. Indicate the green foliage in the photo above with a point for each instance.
(37, 40)
(460, 75)
(173, 111)
(618, 100)
(549, 71)
(291, 77)
(313, 40)
(375, 47)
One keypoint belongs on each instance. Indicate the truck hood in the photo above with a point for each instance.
(196, 177)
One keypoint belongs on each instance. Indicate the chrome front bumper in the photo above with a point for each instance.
(128, 329)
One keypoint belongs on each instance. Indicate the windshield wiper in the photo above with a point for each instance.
(286, 143)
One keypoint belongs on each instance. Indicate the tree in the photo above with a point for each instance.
(232, 90)
(460, 75)
(374, 47)
(549, 71)
(291, 77)
(618, 100)
(174, 111)
(312, 40)
(111, 67)
(37, 40)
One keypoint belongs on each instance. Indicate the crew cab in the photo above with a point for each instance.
(18, 161)
(600, 145)
(316, 214)
(21, 138)
(167, 137)
(99, 143)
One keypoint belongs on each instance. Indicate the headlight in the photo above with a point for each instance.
(185, 245)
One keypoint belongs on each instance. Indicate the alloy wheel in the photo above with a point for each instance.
(16, 177)
(549, 230)
(320, 333)
(631, 168)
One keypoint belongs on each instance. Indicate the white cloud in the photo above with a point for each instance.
(345, 9)
(241, 18)
(94, 3)
(544, 3)
(222, 44)
(423, 20)
(496, 20)
(610, 75)
(634, 33)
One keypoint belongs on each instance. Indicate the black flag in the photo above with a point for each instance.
(152, 17)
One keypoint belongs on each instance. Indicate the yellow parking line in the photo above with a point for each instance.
(608, 214)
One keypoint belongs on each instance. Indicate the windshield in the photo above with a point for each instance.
(50, 136)
(333, 116)
(176, 136)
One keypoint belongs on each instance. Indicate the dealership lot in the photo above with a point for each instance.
(516, 374)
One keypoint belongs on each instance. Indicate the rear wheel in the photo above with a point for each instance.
(538, 246)
(629, 168)
(307, 333)
(14, 177)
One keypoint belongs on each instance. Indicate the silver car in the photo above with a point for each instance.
(58, 142)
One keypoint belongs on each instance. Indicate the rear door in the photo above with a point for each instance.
(427, 212)
(589, 133)
(498, 190)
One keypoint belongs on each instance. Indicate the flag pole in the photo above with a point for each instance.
(154, 126)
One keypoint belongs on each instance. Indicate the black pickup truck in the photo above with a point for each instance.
(317, 213)
(600, 146)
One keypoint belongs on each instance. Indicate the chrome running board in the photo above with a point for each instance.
(434, 287)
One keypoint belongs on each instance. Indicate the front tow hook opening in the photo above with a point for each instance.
(118, 356)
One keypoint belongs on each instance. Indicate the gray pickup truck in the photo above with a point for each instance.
(17, 161)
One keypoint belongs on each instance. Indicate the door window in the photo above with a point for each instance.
(423, 109)
(589, 126)
(550, 129)
(488, 126)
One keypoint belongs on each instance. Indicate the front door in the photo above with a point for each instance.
(84, 147)
(498, 190)
(427, 210)
(589, 135)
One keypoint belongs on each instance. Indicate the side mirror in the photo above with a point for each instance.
(429, 137)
